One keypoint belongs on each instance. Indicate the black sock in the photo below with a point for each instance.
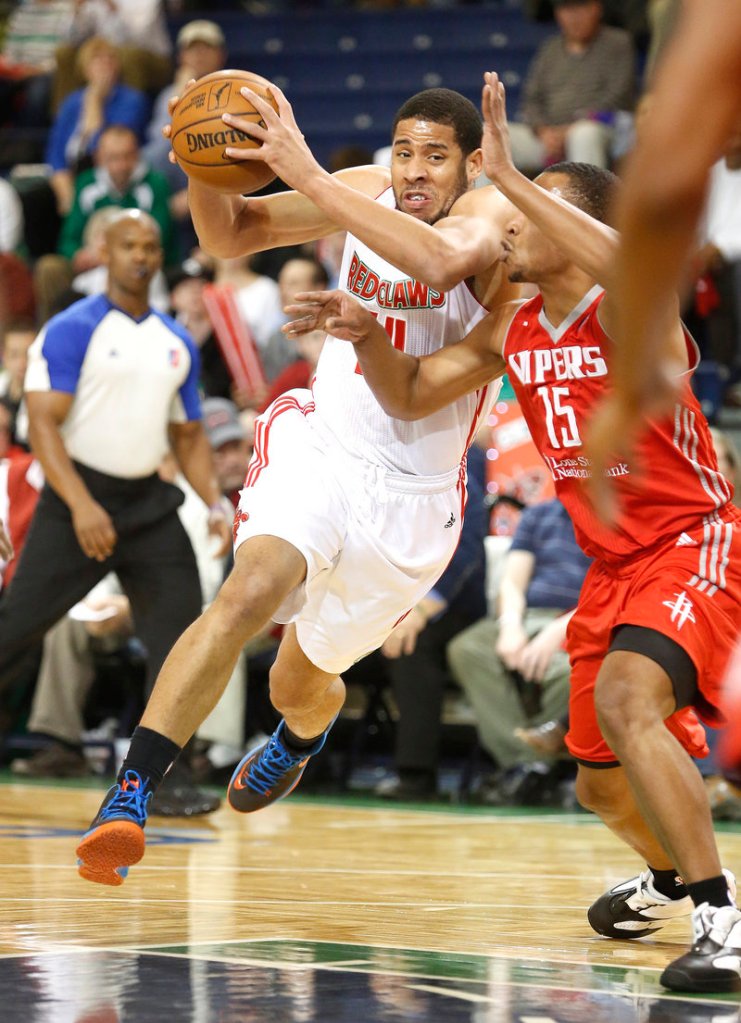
(295, 744)
(713, 890)
(150, 755)
(668, 883)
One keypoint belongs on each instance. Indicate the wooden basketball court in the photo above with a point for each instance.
(334, 912)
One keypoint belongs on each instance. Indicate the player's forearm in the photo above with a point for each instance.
(390, 374)
(214, 218)
(416, 248)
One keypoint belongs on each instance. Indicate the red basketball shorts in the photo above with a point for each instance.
(689, 590)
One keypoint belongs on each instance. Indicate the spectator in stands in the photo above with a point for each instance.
(577, 84)
(300, 372)
(17, 339)
(259, 305)
(514, 668)
(186, 283)
(86, 112)
(414, 653)
(137, 28)
(118, 178)
(34, 30)
(718, 270)
(201, 50)
(21, 479)
(100, 425)
(303, 273)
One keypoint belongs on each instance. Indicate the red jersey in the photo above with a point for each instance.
(559, 375)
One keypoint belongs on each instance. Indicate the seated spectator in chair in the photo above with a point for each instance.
(121, 179)
(17, 339)
(716, 318)
(514, 668)
(86, 112)
(302, 273)
(577, 83)
(414, 653)
(137, 28)
(186, 283)
(201, 49)
(28, 59)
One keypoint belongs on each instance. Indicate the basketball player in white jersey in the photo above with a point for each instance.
(348, 516)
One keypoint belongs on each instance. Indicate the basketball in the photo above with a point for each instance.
(199, 136)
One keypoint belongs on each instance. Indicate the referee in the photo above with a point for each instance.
(111, 386)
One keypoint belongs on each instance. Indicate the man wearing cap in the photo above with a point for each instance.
(201, 49)
(577, 83)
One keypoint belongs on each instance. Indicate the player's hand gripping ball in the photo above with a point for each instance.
(199, 136)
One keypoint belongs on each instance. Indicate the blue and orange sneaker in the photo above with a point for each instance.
(269, 772)
(115, 839)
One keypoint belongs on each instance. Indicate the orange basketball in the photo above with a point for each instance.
(199, 136)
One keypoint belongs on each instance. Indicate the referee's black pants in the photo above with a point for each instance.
(153, 560)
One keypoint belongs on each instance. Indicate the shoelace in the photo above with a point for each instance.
(270, 767)
(131, 798)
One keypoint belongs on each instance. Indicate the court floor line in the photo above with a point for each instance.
(353, 966)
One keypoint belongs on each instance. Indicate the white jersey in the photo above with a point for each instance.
(419, 320)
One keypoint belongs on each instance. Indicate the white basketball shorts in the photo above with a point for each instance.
(375, 542)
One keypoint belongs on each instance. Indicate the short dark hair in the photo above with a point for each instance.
(444, 106)
(591, 188)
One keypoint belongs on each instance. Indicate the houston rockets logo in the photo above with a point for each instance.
(681, 609)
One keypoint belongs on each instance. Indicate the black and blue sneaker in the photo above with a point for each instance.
(115, 839)
(269, 772)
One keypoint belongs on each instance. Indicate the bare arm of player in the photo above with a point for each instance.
(93, 526)
(694, 107)
(407, 387)
(458, 246)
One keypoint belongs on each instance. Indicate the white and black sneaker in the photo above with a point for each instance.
(713, 964)
(634, 908)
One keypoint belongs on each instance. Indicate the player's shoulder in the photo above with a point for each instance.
(486, 202)
(372, 179)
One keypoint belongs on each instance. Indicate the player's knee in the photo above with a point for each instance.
(600, 790)
(244, 605)
(623, 711)
(287, 694)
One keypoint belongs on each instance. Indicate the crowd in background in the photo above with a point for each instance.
(93, 78)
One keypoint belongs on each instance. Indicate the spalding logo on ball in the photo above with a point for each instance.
(199, 136)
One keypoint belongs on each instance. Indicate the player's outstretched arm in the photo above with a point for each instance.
(585, 241)
(407, 387)
(694, 107)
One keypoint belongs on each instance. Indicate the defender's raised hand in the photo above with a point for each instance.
(333, 311)
(495, 141)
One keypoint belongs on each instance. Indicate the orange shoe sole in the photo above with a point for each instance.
(108, 848)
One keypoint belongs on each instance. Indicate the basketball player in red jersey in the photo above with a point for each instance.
(695, 107)
(661, 606)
